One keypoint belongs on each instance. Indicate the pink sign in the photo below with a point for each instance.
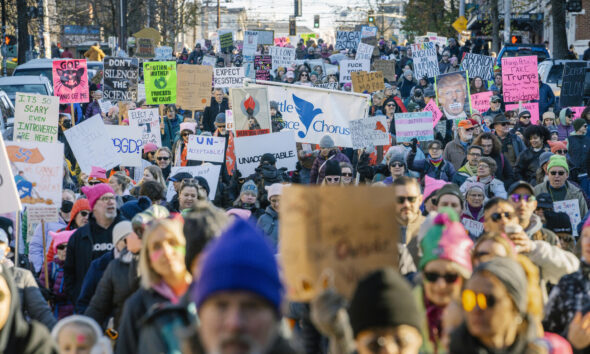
(520, 80)
(281, 41)
(70, 81)
(532, 107)
(436, 113)
(577, 111)
(481, 101)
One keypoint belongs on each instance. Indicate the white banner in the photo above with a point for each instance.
(249, 45)
(369, 132)
(349, 66)
(128, 144)
(209, 172)
(36, 117)
(149, 122)
(91, 143)
(209, 60)
(250, 149)
(281, 56)
(228, 77)
(8, 191)
(206, 148)
(364, 52)
(313, 113)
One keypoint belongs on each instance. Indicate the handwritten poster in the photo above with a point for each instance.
(206, 148)
(416, 125)
(425, 63)
(572, 209)
(208, 171)
(193, 86)
(120, 79)
(481, 101)
(250, 149)
(436, 113)
(520, 79)
(364, 51)
(478, 65)
(281, 56)
(572, 85)
(369, 132)
(347, 67)
(128, 144)
(149, 122)
(347, 40)
(367, 82)
(228, 77)
(36, 117)
(160, 82)
(70, 80)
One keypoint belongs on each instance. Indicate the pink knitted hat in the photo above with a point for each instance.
(98, 173)
(93, 193)
(149, 147)
(60, 238)
(431, 185)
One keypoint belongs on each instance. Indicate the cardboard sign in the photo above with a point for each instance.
(367, 82)
(520, 80)
(105, 105)
(281, 57)
(229, 120)
(91, 143)
(145, 48)
(349, 66)
(206, 148)
(369, 35)
(387, 67)
(347, 40)
(207, 171)
(452, 94)
(249, 45)
(436, 113)
(481, 101)
(160, 82)
(478, 65)
(164, 53)
(364, 51)
(226, 41)
(128, 144)
(70, 80)
(417, 125)
(148, 120)
(532, 107)
(38, 171)
(209, 60)
(320, 236)
(8, 191)
(228, 77)
(251, 108)
(572, 85)
(250, 149)
(36, 117)
(572, 209)
(577, 111)
(193, 86)
(425, 63)
(36, 214)
(369, 132)
(120, 79)
(475, 228)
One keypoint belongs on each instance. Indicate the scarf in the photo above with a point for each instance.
(436, 162)
(472, 171)
(485, 180)
(474, 211)
(434, 318)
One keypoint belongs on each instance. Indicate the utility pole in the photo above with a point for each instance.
(4, 46)
(123, 25)
(41, 18)
(462, 8)
(507, 15)
(218, 15)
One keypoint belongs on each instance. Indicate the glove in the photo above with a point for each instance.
(47, 294)
(414, 144)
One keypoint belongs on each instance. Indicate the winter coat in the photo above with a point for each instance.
(517, 145)
(462, 342)
(527, 164)
(427, 345)
(462, 175)
(406, 86)
(269, 223)
(455, 152)
(211, 113)
(493, 188)
(118, 282)
(564, 131)
(94, 53)
(92, 109)
(409, 237)
(546, 98)
(573, 192)
(17, 335)
(318, 170)
(62, 306)
(444, 171)
(171, 129)
(36, 243)
(578, 147)
(91, 280)
(504, 170)
(33, 304)
(468, 215)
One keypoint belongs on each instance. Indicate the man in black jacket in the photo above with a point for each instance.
(219, 104)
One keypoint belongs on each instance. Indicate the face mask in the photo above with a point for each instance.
(66, 206)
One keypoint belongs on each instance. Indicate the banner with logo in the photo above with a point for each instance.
(250, 149)
(160, 82)
(70, 80)
(35, 117)
(120, 79)
(194, 86)
(228, 77)
(8, 190)
(312, 113)
(128, 144)
(349, 66)
(149, 122)
(207, 171)
(206, 148)
(251, 110)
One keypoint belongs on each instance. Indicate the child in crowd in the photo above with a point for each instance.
(80, 334)
(61, 306)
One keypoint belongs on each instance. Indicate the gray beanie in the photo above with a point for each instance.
(512, 276)
(326, 142)
(544, 157)
(220, 118)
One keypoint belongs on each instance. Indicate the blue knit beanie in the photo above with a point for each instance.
(239, 260)
(249, 186)
(134, 207)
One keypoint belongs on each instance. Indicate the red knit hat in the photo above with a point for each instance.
(557, 145)
(79, 205)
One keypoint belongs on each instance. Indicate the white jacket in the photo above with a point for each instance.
(493, 188)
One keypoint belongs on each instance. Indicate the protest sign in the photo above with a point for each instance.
(164, 53)
(92, 146)
(349, 66)
(282, 41)
(369, 132)
(481, 101)
(226, 41)
(478, 65)
(369, 35)
(206, 148)
(313, 113)
(327, 85)
(320, 236)
(140, 92)
(209, 60)
(347, 40)
(249, 46)
(363, 81)
(421, 46)
(229, 120)
(577, 111)
(36, 214)
(8, 191)
(452, 94)
(364, 51)
(532, 107)
(120, 79)
(572, 85)
(425, 63)
(250, 149)
(572, 209)
(149, 122)
(193, 86)
(262, 65)
(475, 228)
(70, 80)
(520, 80)
(38, 171)
(251, 109)
(128, 144)
(35, 117)
(105, 105)
(417, 125)
(160, 82)
(436, 113)
(145, 48)
(208, 171)
(281, 56)
(307, 36)
(266, 37)
(387, 67)
(228, 77)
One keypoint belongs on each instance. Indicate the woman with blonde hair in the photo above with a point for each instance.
(150, 173)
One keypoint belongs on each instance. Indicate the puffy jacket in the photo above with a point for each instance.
(462, 174)
(455, 152)
(493, 188)
(171, 129)
(528, 163)
(92, 109)
(32, 302)
(94, 54)
(62, 306)
(318, 170)
(546, 98)
(36, 243)
(564, 131)
(444, 171)
(269, 223)
(91, 280)
(578, 147)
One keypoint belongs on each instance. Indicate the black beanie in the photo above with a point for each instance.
(333, 168)
(383, 299)
(558, 222)
(452, 189)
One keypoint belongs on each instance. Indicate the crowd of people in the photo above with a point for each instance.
(487, 263)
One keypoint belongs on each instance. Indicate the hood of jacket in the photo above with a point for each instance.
(534, 225)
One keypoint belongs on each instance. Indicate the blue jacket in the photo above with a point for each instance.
(95, 272)
(444, 171)
(546, 98)
(269, 223)
(171, 129)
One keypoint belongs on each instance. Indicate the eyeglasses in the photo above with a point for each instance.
(402, 200)
(390, 105)
(469, 129)
(470, 299)
(346, 174)
(303, 74)
(332, 179)
(526, 197)
(472, 154)
(553, 173)
(497, 216)
(561, 152)
(396, 164)
(84, 213)
(449, 278)
(163, 158)
(62, 247)
(434, 148)
(107, 199)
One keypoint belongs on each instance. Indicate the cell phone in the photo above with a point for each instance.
(513, 229)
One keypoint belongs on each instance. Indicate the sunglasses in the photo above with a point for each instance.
(163, 158)
(332, 179)
(396, 164)
(553, 173)
(92, 183)
(449, 278)
(526, 197)
(470, 299)
(561, 152)
(526, 117)
(84, 213)
(497, 216)
(61, 247)
(185, 134)
(469, 129)
(496, 101)
(345, 174)
(390, 105)
(504, 124)
(402, 200)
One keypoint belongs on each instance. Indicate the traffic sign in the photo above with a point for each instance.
(460, 24)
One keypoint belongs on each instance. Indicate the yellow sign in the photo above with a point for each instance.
(460, 24)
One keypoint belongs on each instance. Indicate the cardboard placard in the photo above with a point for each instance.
(120, 79)
(148, 120)
(8, 191)
(387, 67)
(425, 63)
(207, 171)
(160, 82)
(128, 144)
(416, 125)
(347, 40)
(349, 66)
(324, 233)
(193, 86)
(572, 85)
(478, 65)
(250, 105)
(250, 149)
(364, 51)
(475, 228)
(70, 80)
(228, 77)
(367, 82)
(481, 101)
(36, 214)
(206, 148)
(436, 113)
(36, 117)
(572, 209)
(520, 79)
(369, 132)
(281, 57)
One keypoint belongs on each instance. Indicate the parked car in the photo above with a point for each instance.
(551, 73)
(45, 67)
(522, 50)
(25, 84)
(6, 116)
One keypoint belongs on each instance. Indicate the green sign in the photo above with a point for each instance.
(160, 82)
(226, 41)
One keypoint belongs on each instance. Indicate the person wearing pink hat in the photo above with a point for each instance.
(149, 152)
(92, 240)
(431, 186)
(186, 129)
